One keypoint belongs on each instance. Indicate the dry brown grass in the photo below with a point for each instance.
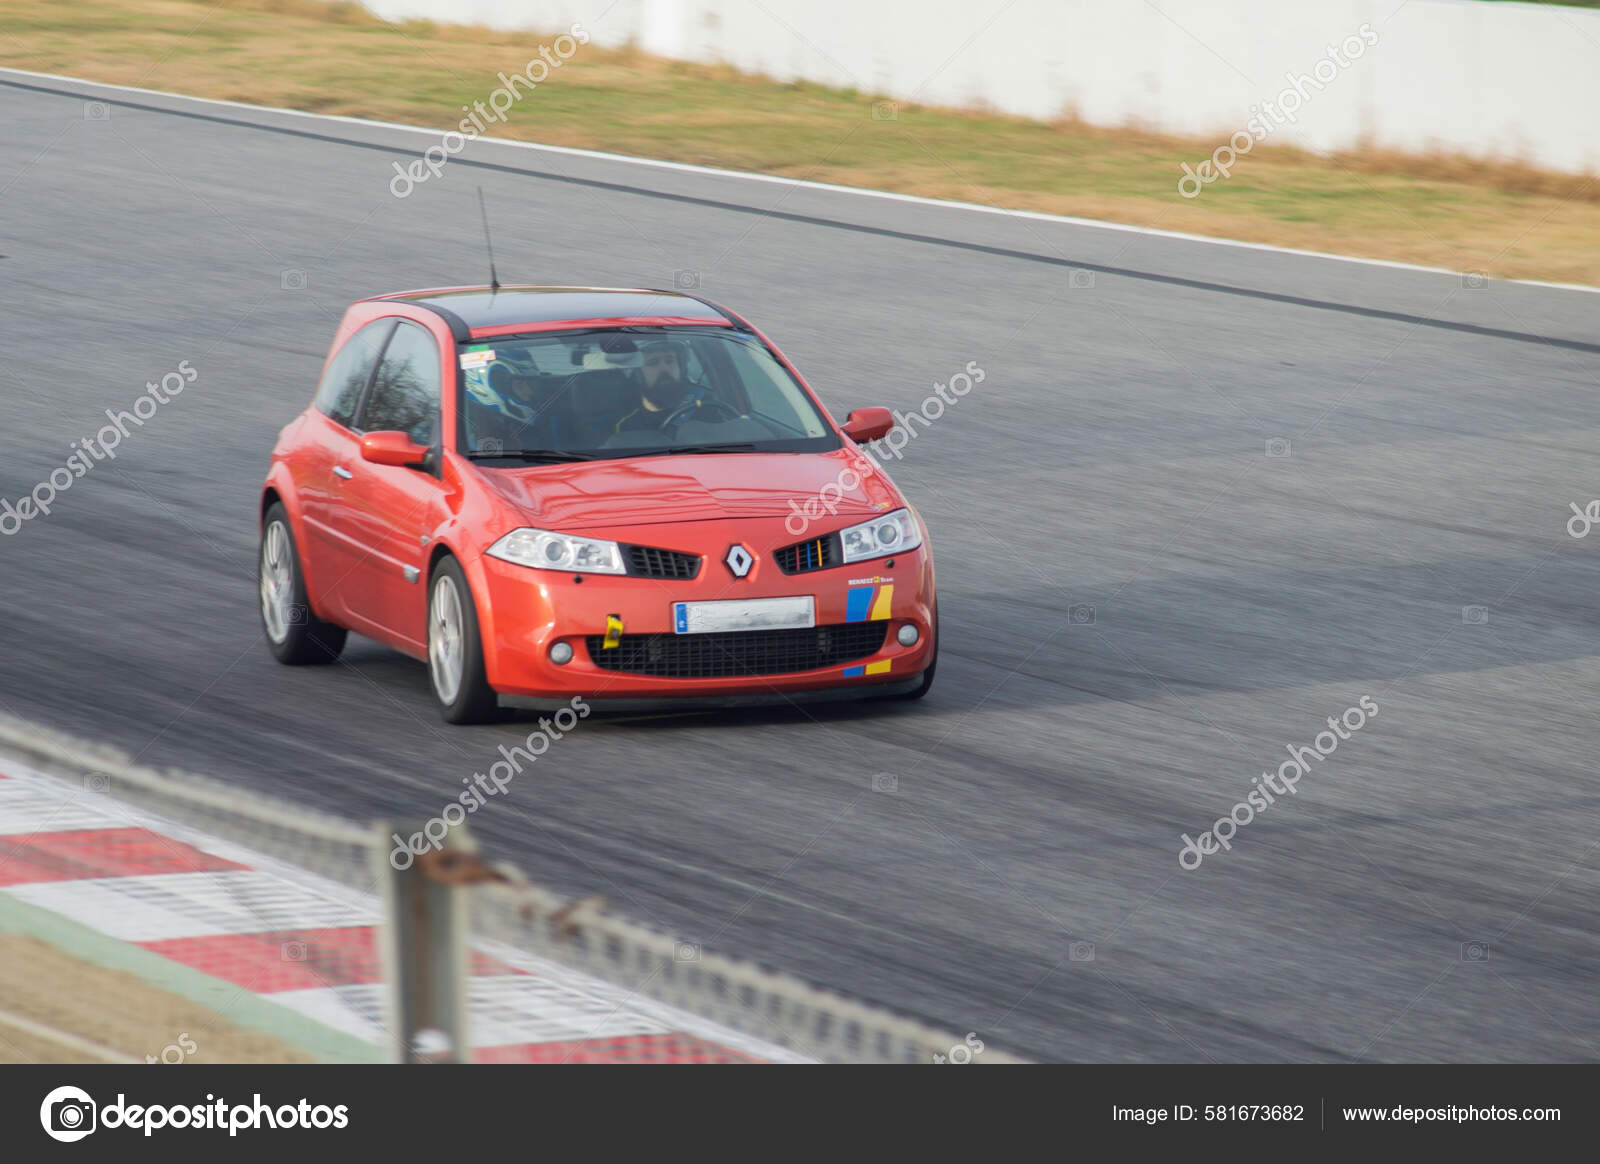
(113, 1009)
(1511, 177)
(1504, 218)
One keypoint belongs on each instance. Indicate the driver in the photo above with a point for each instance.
(663, 390)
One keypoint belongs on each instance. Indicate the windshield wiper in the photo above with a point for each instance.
(676, 449)
(533, 456)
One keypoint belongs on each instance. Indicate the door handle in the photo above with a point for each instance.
(341, 471)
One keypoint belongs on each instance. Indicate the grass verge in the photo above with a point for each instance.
(65, 1002)
(1505, 219)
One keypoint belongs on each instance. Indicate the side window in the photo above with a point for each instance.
(339, 394)
(405, 393)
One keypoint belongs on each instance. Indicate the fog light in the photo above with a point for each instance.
(561, 654)
(907, 635)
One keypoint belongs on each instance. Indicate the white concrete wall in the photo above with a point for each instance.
(1489, 80)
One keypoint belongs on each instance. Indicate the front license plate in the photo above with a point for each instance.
(739, 614)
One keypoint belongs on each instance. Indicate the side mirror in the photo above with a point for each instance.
(868, 424)
(393, 448)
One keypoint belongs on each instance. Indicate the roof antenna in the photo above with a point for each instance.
(494, 280)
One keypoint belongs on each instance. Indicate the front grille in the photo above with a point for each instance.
(817, 554)
(649, 562)
(735, 653)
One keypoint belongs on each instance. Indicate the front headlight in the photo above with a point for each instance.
(890, 534)
(544, 550)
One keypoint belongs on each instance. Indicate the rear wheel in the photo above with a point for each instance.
(455, 649)
(294, 633)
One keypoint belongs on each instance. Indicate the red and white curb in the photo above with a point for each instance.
(306, 942)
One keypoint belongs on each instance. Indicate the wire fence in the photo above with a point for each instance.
(535, 966)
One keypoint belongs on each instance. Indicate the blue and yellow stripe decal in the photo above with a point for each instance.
(868, 603)
(881, 667)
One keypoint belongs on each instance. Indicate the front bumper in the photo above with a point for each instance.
(523, 613)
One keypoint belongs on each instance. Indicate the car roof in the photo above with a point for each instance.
(484, 310)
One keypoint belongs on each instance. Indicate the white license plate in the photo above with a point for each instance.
(701, 618)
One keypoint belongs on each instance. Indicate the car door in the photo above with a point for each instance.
(389, 509)
(325, 462)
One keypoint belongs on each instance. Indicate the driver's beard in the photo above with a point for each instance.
(666, 391)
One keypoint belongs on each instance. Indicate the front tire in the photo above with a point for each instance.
(294, 632)
(455, 649)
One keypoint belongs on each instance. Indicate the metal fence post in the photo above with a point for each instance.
(423, 940)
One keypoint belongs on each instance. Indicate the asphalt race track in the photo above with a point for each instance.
(1143, 603)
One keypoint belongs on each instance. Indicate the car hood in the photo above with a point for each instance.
(693, 487)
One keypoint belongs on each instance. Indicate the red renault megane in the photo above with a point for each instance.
(550, 492)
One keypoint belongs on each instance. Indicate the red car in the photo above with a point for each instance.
(549, 492)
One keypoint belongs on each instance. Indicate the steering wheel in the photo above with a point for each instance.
(724, 410)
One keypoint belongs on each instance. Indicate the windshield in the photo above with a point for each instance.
(629, 392)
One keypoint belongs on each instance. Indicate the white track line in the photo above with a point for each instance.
(89, 1050)
(802, 184)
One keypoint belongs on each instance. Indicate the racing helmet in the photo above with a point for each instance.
(490, 384)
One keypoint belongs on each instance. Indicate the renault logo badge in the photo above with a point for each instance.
(739, 561)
